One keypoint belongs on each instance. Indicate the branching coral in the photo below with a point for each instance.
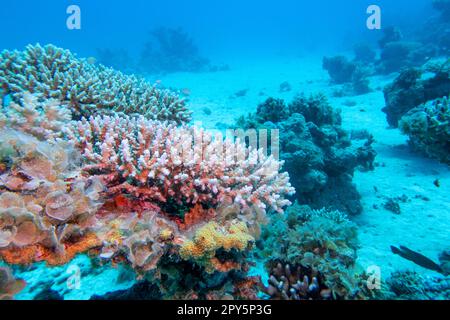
(177, 167)
(9, 286)
(86, 88)
(318, 153)
(428, 128)
(313, 253)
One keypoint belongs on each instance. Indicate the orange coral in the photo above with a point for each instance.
(37, 252)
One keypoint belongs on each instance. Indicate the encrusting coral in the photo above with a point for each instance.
(9, 286)
(311, 255)
(87, 89)
(319, 155)
(428, 128)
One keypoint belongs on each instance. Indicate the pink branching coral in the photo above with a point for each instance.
(88, 89)
(161, 162)
(43, 206)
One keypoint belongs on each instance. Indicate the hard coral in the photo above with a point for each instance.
(212, 237)
(9, 286)
(177, 167)
(43, 209)
(87, 89)
(410, 89)
(428, 128)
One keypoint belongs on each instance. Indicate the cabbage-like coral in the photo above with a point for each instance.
(87, 89)
(177, 167)
(9, 286)
(46, 212)
(428, 128)
(318, 153)
(319, 249)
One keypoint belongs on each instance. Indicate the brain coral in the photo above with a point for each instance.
(55, 73)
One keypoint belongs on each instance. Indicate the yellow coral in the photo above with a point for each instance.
(212, 237)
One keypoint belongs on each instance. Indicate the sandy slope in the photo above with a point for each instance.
(424, 222)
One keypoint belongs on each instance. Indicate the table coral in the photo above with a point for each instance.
(87, 88)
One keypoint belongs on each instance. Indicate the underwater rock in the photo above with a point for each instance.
(410, 89)
(428, 128)
(318, 153)
(54, 73)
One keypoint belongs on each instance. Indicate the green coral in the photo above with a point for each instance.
(428, 128)
(87, 88)
(320, 240)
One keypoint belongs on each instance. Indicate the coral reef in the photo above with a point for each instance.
(171, 50)
(87, 89)
(428, 128)
(311, 255)
(411, 89)
(9, 286)
(352, 74)
(409, 285)
(318, 153)
(177, 166)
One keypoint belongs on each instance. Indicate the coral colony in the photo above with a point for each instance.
(82, 172)
(104, 171)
